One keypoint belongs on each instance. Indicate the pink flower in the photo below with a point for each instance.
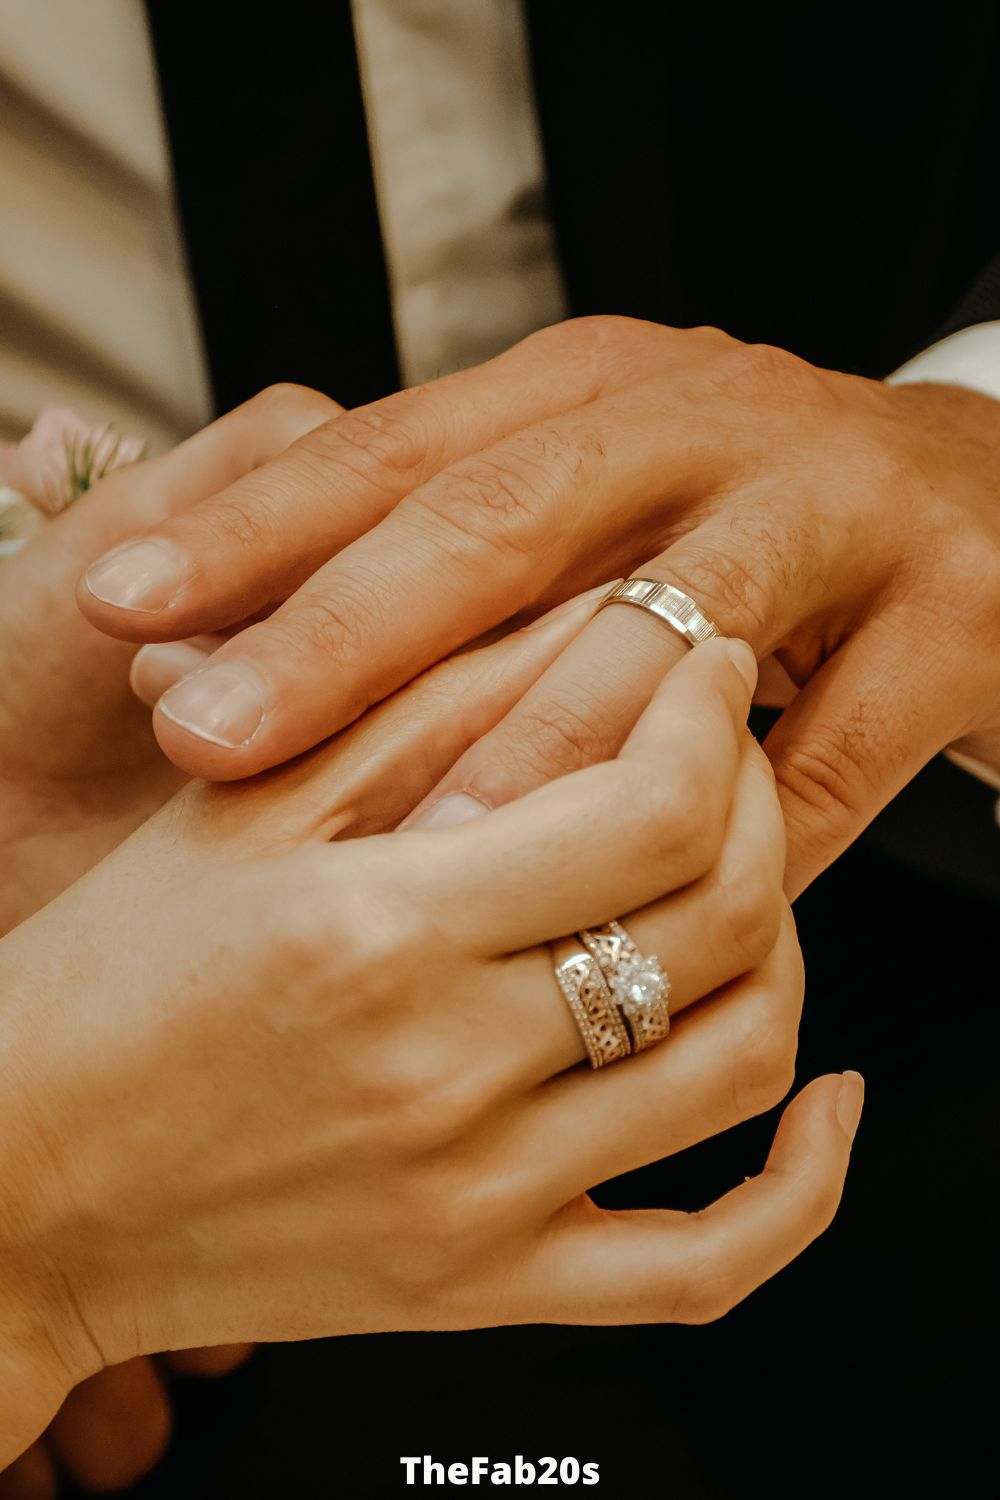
(61, 457)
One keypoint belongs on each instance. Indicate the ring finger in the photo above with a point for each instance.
(582, 709)
(722, 1063)
(705, 935)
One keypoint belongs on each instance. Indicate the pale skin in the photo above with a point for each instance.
(79, 770)
(366, 1030)
(848, 528)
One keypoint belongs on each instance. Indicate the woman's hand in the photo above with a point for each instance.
(79, 767)
(79, 770)
(848, 526)
(272, 1075)
(115, 1424)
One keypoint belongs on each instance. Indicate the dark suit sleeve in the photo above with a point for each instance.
(981, 302)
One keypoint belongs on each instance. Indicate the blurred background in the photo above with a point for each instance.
(95, 309)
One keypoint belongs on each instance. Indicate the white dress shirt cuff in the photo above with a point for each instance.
(970, 358)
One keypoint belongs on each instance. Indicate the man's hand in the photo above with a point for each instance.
(79, 768)
(850, 528)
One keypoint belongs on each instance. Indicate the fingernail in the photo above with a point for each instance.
(143, 576)
(582, 604)
(222, 704)
(155, 669)
(456, 807)
(850, 1100)
(743, 659)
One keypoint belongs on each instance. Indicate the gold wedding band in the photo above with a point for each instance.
(668, 604)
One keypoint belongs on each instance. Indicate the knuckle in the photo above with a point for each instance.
(415, 1099)
(890, 469)
(282, 413)
(958, 563)
(694, 786)
(710, 338)
(558, 737)
(603, 328)
(596, 332)
(675, 823)
(449, 1217)
(821, 776)
(734, 586)
(710, 1285)
(750, 910)
(246, 518)
(698, 808)
(823, 1200)
(766, 373)
(351, 944)
(513, 501)
(329, 627)
(388, 442)
(762, 1053)
(795, 971)
(608, 345)
(285, 398)
(485, 498)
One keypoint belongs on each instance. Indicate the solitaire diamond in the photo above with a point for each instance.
(639, 985)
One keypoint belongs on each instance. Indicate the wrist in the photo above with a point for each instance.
(45, 1349)
(979, 754)
(941, 410)
(54, 1299)
(969, 358)
(42, 1355)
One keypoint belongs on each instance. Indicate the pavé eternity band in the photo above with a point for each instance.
(668, 604)
(598, 1019)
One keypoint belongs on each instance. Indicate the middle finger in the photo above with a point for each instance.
(548, 509)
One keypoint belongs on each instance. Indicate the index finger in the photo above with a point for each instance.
(265, 532)
(536, 516)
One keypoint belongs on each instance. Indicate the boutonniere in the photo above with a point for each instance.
(61, 458)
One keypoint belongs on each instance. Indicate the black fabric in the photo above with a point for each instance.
(822, 178)
(266, 126)
(981, 303)
(863, 1369)
(823, 181)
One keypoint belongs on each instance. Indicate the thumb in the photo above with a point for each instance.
(861, 728)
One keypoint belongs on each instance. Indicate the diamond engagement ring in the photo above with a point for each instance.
(637, 984)
(617, 995)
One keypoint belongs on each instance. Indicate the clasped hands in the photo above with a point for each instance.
(288, 931)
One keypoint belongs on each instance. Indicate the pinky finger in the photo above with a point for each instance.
(30, 1477)
(217, 1360)
(113, 1428)
(157, 668)
(665, 1267)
